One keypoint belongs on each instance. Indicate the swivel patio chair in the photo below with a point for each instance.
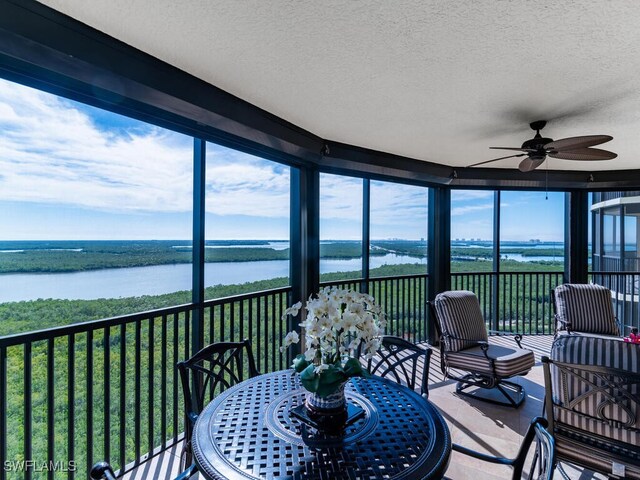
(543, 462)
(464, 346)
(584, 309)
(206, 374)
(404, 362)
(592, 404)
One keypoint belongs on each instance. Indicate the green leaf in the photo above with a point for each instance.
(352, 368)
(300, 363)
(309, 379)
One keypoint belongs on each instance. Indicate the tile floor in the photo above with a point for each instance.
(478, 425)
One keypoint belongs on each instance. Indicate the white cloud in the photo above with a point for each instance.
(462, 210)
(239, 184)
(340, 198)
(51, 151)
(462, 195)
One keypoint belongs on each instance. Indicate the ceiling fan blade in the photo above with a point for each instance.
(518, 149)
(529, 164)
(574, 143)
(496, 159)
(584, 154)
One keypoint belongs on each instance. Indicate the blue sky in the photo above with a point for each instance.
(70, 171)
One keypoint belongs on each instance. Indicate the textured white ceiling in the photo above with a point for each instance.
(433, 80)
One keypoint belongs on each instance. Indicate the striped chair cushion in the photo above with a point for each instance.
(460, 316)
(587, 307)
(595, 413)
(587, 452)
(508, 361)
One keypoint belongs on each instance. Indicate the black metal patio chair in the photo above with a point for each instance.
(543, 460)
(464, 346)
(403, 362)
(207, 373)
(592, 404)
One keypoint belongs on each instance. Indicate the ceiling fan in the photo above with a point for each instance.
(572, 148)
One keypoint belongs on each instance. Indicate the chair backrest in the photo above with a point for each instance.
(593, 385)
(544, 460)
(403, 362)
(460, 319)
(584, 308)
(213, 369)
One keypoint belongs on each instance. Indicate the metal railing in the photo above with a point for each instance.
(403, 298)
(90, 391)
(516, 302)
(613, 263)
(109, 389)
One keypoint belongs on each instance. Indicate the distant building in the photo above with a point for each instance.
(615, 232)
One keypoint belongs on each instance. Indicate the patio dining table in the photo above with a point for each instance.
(248, 432)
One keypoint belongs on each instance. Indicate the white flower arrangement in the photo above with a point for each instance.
(338, 324)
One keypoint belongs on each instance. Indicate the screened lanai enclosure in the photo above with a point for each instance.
(158, 196)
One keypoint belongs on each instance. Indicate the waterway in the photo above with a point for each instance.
(160, 279)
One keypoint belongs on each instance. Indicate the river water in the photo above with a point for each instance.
(160, 279)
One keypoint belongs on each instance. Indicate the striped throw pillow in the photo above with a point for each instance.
(460, 316)
(587, 307)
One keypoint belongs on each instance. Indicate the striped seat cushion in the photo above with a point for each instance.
(587, 451)
(460, 316)
(587, 307)
(508, 361)
(584, 400)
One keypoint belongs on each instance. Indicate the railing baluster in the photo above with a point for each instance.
(137, 391)
(176, 387)
(107, 394)
(28, 408)
(89, 400)
(259, 342)
(50, 407)
(163, 380)
(71, 388)
(274, 349)
(150, 384)
(123, 395)
(3, 410)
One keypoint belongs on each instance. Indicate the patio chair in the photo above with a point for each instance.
(464, 346)
(584, 309)
(103, 471)
(593, 403)
(543, 460)
(214, 368)
(404, 362)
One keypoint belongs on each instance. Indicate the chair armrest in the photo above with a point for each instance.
(516, 336)
(188, 473)
(482, 456)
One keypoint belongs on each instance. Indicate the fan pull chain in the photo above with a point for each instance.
(546, 180)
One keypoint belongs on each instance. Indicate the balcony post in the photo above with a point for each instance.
(366, 233)
(439, 246)
(495, 278)
(197, 292)
(576, 220)
(304, 264)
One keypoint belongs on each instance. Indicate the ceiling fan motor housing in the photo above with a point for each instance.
(537, 143)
